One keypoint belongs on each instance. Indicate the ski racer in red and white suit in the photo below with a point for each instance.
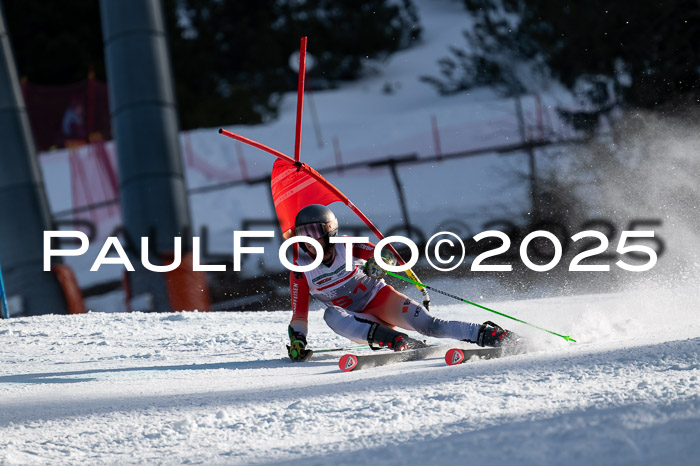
(366, 309)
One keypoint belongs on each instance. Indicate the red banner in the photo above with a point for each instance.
(294, 189)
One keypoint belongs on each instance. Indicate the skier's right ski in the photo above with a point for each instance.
(351, 362)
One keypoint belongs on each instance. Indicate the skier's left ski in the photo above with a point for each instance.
(350, 362)
(455, 356)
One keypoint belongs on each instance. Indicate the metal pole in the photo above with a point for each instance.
(25, 208)
(392, 162)
(531, 156)
(402, 197)
(144, 116)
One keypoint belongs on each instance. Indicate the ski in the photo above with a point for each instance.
(344, 348)
(350, 362)
(455, 356)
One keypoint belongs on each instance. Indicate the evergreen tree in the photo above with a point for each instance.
(55, 42)
(231, 59)
(643, 54)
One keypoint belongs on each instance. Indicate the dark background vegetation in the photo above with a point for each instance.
(230, 59)
(639, 55)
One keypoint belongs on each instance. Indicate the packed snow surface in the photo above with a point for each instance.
(216, 388)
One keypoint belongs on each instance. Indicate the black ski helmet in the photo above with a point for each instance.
(316, 221)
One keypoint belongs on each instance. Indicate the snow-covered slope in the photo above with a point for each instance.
(217, 389)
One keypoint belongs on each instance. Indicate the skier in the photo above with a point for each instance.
(360, 305)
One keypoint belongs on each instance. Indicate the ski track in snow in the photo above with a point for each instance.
(215, 388)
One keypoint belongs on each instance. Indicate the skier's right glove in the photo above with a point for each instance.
(297, 348)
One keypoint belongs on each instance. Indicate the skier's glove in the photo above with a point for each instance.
(374, 270)
(297, 348)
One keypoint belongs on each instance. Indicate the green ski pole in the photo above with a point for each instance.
(565, 337)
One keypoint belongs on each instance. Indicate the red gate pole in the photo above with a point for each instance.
(300, 98)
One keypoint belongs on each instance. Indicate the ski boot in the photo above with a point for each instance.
(494, 335)
(383, 337)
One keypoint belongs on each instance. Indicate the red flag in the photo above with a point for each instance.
(294, 189)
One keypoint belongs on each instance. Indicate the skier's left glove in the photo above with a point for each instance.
(297, 348)
(374, 270)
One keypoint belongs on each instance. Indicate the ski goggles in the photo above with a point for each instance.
(316, 230)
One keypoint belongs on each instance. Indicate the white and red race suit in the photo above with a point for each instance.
(354, 300)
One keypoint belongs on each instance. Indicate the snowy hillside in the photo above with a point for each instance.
(366, 123)
(217, 389)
